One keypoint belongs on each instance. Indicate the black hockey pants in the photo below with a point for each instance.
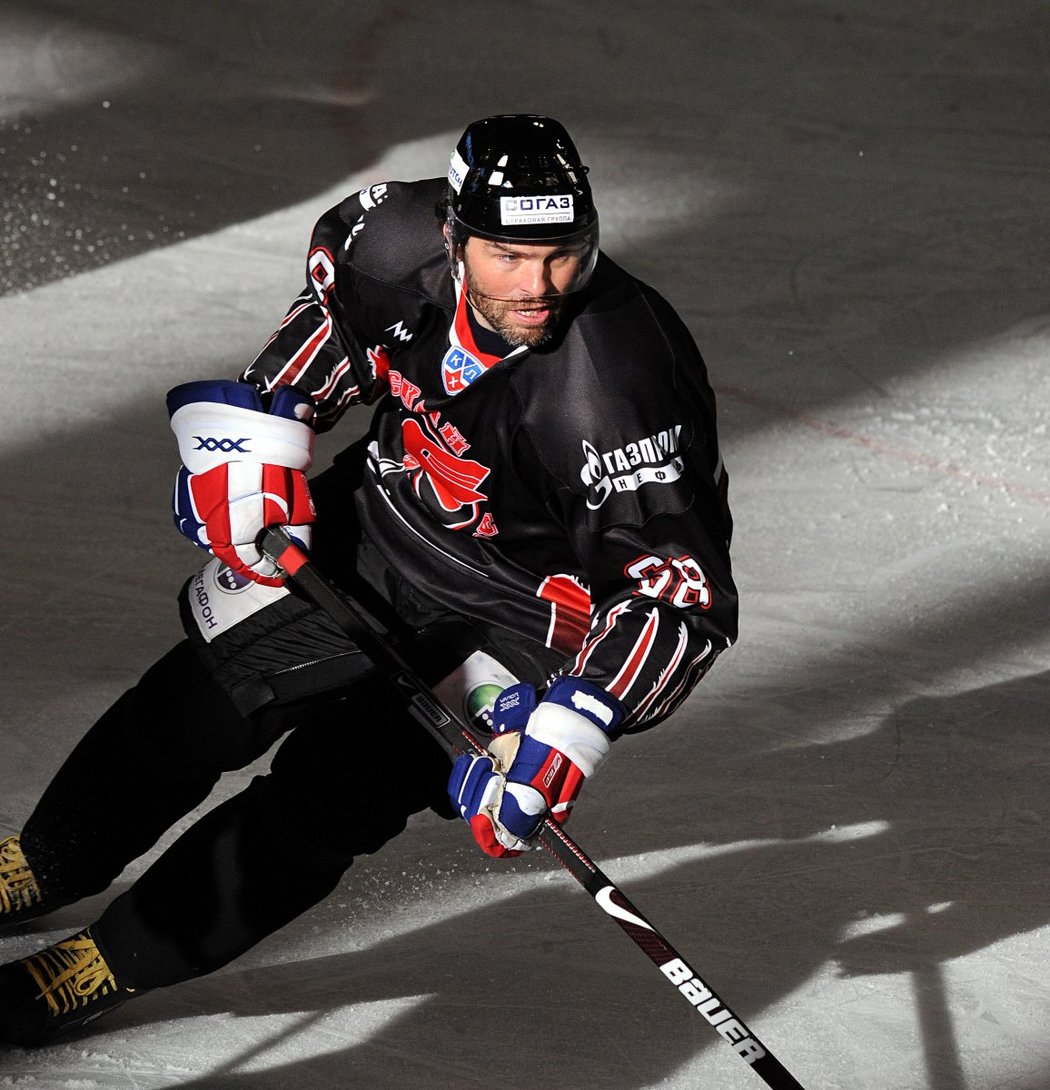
(342, 783)
(351, 771)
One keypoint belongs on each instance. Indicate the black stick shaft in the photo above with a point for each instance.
(457, 738)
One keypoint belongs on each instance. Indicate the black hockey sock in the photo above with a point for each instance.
(229, 881)
(150, 759)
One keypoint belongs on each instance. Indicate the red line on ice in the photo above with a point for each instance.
(836, 431)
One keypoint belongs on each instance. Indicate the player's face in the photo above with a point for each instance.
(517, 288)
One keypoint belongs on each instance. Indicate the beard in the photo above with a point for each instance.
(504, 316)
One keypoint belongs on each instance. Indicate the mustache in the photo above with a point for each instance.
(528, 302)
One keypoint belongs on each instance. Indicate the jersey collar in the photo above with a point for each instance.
(461, 335)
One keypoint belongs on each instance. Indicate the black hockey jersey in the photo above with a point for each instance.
(573, 493)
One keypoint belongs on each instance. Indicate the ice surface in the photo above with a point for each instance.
(845, 828)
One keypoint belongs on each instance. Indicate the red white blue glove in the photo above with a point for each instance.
(243, 470)
(537, 761)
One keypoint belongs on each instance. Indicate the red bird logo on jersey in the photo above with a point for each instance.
(453, 479)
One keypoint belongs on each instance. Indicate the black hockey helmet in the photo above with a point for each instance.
(518, 178)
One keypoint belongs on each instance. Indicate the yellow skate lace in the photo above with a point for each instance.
(18, 886)
(71, 974)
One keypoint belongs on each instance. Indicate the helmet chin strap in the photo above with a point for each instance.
(459, 274)
(531, 302)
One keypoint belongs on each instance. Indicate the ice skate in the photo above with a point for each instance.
(56, 990)
(21, 898)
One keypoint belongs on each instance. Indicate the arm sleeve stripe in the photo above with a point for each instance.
(666, 674)
(587, 650)
(332, 382)
(628, 675)
(690, 678)
(305, 355)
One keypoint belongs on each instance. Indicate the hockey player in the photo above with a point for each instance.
(539, 507)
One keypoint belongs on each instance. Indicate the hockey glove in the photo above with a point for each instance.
(242, 470)
(536, 763)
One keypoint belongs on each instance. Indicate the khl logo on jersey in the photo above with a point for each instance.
(459, 369)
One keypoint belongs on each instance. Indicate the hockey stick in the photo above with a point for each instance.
(456, 738)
